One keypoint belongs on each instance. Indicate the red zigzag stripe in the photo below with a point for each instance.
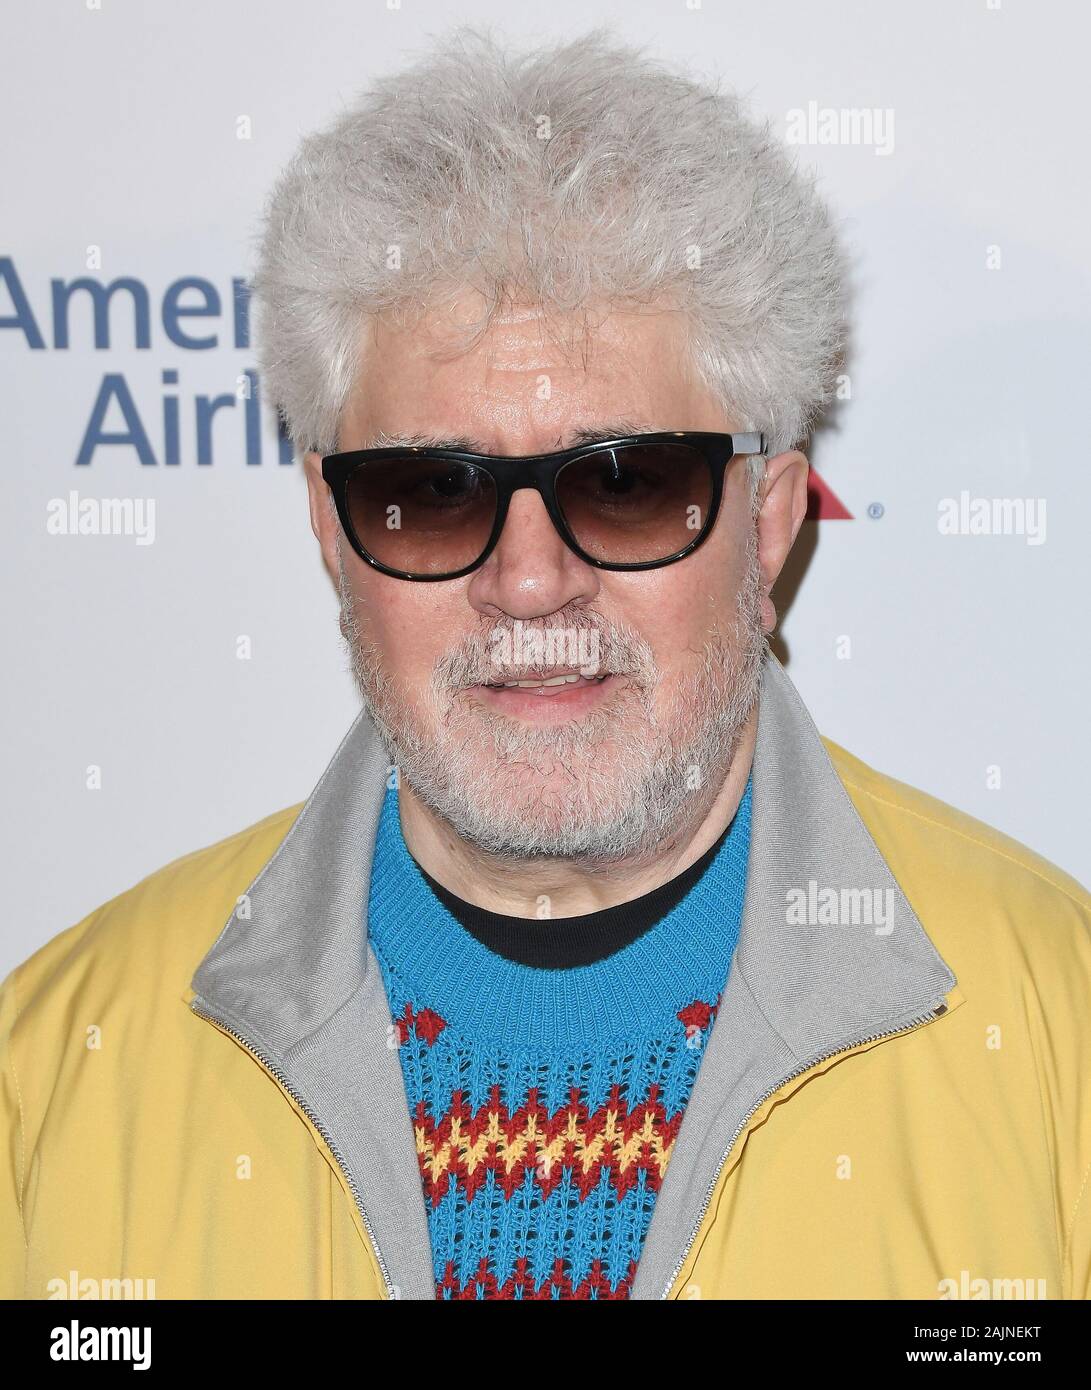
(468, 1145)
(595, 1284)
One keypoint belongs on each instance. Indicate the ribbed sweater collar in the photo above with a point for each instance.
(483, 995)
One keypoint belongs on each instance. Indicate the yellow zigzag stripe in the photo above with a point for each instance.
(619, 1153)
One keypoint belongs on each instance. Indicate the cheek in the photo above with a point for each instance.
(676, 608)
(412, 625)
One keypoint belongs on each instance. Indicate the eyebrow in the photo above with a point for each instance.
(582, 434)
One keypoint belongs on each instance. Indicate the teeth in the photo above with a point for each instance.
(553, 680)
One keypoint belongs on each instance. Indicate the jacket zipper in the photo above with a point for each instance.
(937, 1012)
(282, 1081)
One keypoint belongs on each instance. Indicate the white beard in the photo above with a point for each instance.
(611, 786)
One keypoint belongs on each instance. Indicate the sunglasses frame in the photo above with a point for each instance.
(510, 473)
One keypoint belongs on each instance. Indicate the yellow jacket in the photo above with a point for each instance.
(199, 1096)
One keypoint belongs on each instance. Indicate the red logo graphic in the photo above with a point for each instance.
(823, 504)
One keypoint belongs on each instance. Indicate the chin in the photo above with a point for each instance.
(604, 804)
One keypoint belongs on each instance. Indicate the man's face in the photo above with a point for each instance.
(597, 769)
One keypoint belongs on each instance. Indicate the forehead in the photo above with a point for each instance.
(576, 433)
(527, 380)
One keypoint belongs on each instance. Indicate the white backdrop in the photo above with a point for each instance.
(966, 206)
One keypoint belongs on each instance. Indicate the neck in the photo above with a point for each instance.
(572, 888)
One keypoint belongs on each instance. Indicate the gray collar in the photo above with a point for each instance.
(296, 982)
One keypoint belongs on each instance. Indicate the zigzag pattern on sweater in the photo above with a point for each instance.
(617, 1138)
(520, 1284)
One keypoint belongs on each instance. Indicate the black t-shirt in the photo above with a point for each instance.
(562, 942)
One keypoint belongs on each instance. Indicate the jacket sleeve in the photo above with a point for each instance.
(12, 1234)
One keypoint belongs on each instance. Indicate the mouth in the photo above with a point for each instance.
(553, 679)
(550, 695)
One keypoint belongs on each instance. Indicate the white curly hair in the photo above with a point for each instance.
(578, 171)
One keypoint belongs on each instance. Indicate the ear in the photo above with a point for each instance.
(324, 522)
(783, 507)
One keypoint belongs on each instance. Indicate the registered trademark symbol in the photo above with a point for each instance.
(875, 510)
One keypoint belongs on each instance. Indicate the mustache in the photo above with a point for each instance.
(519, 649)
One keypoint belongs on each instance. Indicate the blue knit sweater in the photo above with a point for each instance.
(546, 1103)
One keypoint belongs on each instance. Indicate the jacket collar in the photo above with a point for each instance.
(298, 982)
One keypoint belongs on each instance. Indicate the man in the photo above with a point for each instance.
(589, 969)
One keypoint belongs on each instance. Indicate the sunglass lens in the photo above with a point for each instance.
(422, 516)
(636, 503)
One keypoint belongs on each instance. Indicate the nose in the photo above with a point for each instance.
(531, 573)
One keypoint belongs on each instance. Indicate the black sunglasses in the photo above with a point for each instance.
(632, 503)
